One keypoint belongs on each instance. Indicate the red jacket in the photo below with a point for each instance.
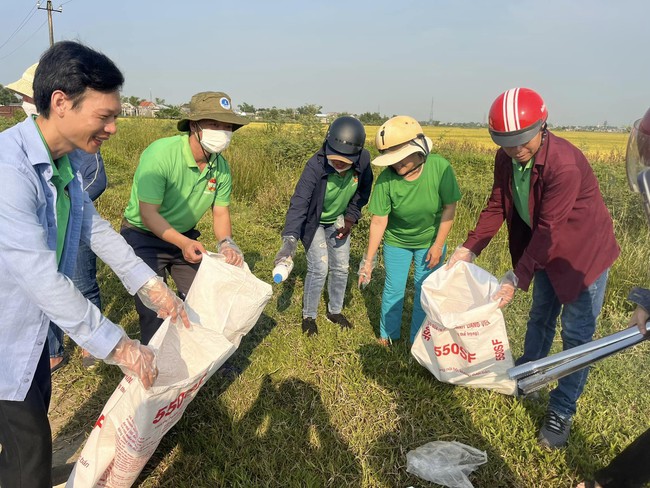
(572, 235)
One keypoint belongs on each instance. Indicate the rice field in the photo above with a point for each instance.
(338, 409)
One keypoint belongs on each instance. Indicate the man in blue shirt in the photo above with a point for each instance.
(44, 213)
(93, 173)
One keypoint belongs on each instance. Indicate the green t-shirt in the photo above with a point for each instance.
(168, 175)
(340, 189)
(521, 188)
(62, 174)
(414, 208)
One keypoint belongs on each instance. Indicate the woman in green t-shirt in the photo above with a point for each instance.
(413, 206)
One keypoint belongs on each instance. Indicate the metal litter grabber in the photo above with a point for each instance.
(534, 375)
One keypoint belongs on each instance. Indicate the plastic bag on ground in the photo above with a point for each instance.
(445, 463)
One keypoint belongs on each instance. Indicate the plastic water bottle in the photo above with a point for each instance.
(282, 270)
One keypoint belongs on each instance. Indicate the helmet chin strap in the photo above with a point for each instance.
(424, 154)
(414, 169)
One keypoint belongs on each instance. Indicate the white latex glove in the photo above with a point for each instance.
(506, 291)
(231, 252)
(288, 249)
(135, 359)
(365, 270)
(157, 296)
(460, 254)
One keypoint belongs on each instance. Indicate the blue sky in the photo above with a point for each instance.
(589, 59)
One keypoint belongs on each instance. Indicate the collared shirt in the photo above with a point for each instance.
(168, 175)
(521, 188)
(571, 235)
(32, 290)
(62, 174)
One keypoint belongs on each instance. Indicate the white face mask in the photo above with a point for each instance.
(29, 108)
(215, 141)
(329, 161)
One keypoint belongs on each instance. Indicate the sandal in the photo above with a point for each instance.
(384, 341)
(59, 365)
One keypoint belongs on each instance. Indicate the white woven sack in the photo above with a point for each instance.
(134, 420)
(230, 305)
(463, 339)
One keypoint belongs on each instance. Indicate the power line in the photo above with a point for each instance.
(48, 7)
(25, 41)
(29, 15)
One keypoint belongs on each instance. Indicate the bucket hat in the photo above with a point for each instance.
(212, 106)
(24, 84)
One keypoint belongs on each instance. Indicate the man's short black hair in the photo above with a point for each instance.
(72, 68)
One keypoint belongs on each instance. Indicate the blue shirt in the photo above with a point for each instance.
(91, 167)
(32, 290)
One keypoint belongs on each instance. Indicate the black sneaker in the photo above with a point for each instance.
(555, 432)
(309, 326)
(339, 318)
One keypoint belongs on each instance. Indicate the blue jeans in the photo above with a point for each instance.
(578, 321)
(326, 253)
(397, 261)
(85, 279)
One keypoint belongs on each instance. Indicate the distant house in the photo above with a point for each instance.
(326, 118)
(8, 111)
(128, 110)
(250, 115)
(147, 109)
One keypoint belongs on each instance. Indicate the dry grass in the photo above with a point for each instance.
(339, 409)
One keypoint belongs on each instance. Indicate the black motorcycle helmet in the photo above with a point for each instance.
(346, 135)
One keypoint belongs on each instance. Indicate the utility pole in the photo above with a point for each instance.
(48, 7)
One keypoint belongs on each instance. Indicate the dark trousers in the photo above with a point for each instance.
(631, 468)
(165, 259)
(25, 435)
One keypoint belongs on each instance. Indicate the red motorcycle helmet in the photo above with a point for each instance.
(516, 116)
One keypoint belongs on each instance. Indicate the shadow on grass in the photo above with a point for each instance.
(426, 411)
(288, 288)
(372, 295)
(284, 439)
(205, 414)
(252, 258)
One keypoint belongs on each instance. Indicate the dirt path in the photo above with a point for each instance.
(73, 411)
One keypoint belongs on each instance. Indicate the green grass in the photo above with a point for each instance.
(338, 409)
